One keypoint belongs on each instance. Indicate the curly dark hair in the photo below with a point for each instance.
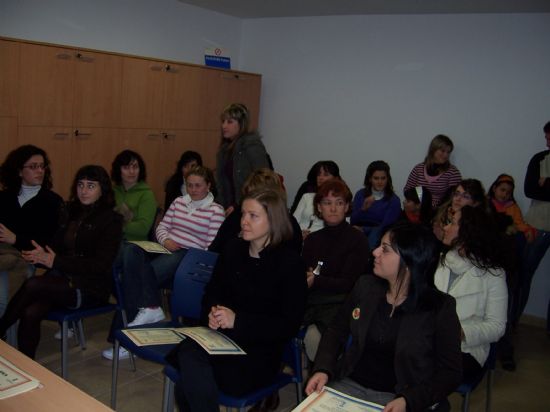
(97, 174)
(124, 158)
(15, 160)
(326, 165)
(480, 240)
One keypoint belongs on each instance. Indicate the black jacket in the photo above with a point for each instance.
(97, 241)
(427, 360)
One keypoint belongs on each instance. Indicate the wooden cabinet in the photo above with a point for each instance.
(9, 76)
(66, 87)
(85, 106)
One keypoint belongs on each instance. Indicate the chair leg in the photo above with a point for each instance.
(490, 377)
(168, 395)
(466, 402)
(81, 338)
(64, 348)
(125, 323)
(114, 377)
(299, 396)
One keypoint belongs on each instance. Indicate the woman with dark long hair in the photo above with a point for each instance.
(405, 335)
(473, 272)
(175, 187)
(376, 206)
(79, 260)
(316, 176)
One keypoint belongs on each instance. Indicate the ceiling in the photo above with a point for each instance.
(248, 9)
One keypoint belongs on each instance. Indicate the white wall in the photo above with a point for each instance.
(166, 29)
(360, 88)
(352, 89)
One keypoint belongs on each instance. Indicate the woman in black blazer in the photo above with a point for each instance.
(256, 297)
(405, 335)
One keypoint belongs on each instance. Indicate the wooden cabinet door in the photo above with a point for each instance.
(46, 86)
(182, 93)
(221, 88)
(142, 93)
(9, 77)
(8, 136)
(97, 89)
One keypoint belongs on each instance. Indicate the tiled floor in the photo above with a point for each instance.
(527, 389)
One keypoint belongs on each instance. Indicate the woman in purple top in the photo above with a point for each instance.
(436, 173)
(376, 206)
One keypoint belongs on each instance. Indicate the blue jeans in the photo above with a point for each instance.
(532, 256)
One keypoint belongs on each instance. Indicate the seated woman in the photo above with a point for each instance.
(472, 272)
(256, 297)
(376, 206)
(175, 187)
(305, 212)
(260, 179)
(192, 221)
(405, 335)
(469, 192)
(29, 210)
(436, 173)
(417, 206)
(79, 260)
(310, 185)
(335, 257)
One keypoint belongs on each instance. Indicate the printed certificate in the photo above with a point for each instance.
(151, 247)
(330, 400)
(13, 380)
(153, 336)
(213, 342)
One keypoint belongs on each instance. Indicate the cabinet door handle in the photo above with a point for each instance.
(168, 136)
(233, 76)
(60, 135)
(63, 56)
(78, 133)
(170, 69)
(157, 68)
(153, 135)
(83, 58)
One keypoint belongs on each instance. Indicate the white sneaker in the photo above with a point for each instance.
(70, 334)
(147, 315)
(122, 353)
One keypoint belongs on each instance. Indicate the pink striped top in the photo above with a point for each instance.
(188, 226)
(437, 185)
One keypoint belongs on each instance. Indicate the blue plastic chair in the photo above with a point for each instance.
(292, 357)
(192, 275)
(467, 387)
(75, 316)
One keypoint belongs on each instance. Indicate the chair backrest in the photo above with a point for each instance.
(192, 275)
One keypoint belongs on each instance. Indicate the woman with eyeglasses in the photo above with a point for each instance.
(78, 261)
(29, 210)
(335, 257)
(472, 271)
(469, 192)
(436, 173)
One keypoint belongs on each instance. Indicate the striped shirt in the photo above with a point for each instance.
(189, 226)
(437, 185)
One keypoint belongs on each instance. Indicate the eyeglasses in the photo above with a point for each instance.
(463, 195)
(35, 166)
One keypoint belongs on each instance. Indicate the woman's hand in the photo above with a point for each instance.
(316, 383)
(367, 203)
(171, 245)
(397, 405)
(310, 277)
(39, 255)
(229, 210)
(6, 235)
(221, 317)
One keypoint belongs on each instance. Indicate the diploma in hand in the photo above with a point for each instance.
(330, 400)
(153, 336)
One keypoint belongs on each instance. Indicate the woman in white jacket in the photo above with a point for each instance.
(472, 272)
